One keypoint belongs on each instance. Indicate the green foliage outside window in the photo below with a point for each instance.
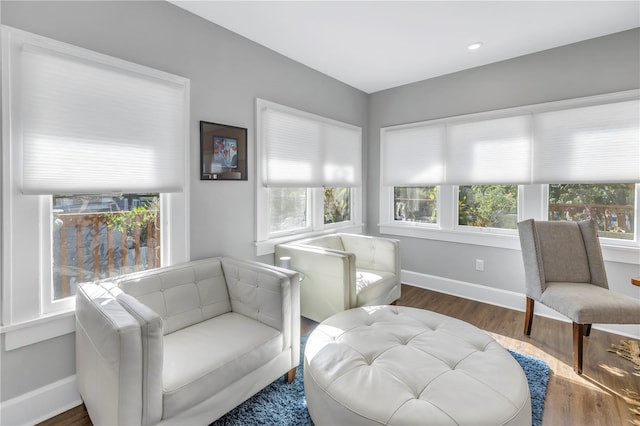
(127, 221)
(488, 206)
(337, 205)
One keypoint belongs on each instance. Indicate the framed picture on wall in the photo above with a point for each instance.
(223, 152)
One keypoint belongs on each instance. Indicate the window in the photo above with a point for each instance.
(337, 205)
(58, 142)
(495, 168)
(610, 205)
(288, 209)
(99, 236)
(488, 206)
(415, 204)
(308, 177)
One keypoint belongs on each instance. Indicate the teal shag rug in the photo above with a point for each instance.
(284, 404)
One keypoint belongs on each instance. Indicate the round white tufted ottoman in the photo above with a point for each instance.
(406, 366)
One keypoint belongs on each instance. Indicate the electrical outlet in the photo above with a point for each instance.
(479, 265)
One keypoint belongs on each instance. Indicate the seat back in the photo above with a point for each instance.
(183, 294)
(380, 254)
(331, 242)
(560, 251)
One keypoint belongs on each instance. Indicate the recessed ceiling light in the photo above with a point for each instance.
(475, 46)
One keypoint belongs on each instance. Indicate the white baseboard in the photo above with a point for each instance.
(40, 404)
(503, 298)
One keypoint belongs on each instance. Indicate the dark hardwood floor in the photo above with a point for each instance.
(595, 398)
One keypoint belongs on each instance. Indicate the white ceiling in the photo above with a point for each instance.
(376, 45)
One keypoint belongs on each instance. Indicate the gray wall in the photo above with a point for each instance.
(602, 65)
(227, 73)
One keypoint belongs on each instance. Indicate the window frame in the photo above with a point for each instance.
(532, 203)
(266, 241)
(26, 236)
(532, 197)
(485, 229)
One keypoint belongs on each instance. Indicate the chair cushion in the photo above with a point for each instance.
(191, 374)
(564, 256)
(372, 285)
(591, 304)
(183, 294)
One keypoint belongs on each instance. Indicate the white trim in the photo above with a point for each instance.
(7, 229)
(610, 253)
(39, 329)
(41, 404)
(479, 237)
(498, 297)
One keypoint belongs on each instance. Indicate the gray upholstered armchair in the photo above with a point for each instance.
(564, 270)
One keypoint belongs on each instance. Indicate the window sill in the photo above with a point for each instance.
(610, 253)
(479, 238)
(39, 329)
(268, 246)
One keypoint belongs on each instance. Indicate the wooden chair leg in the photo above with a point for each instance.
(578, 337)
(291, 375)
(587, 330)
(528, 316)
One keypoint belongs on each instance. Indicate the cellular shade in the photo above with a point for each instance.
(413, 156)
(303, 150)
(496, 151)
(92, 125)
(342, 156)
(594, 144)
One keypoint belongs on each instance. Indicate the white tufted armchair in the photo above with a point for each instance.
(344, 271)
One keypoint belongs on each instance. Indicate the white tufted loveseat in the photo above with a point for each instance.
(184, 344)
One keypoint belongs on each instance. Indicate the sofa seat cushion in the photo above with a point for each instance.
(371, 285)
(207, 357)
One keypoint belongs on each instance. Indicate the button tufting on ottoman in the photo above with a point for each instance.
(406, 366)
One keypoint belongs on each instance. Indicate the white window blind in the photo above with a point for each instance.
(305, 150)
(413, 156)
(595, 144)
(342, 156)
(588, 140)
(494, 151)
(92, 123)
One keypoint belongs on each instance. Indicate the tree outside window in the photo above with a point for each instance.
(488, 206)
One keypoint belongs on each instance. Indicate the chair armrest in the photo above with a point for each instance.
(329, 285)
(151, 331)
(108, 357)
(377, 253)
(268, 294)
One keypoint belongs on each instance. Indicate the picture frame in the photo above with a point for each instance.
(223, 152)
